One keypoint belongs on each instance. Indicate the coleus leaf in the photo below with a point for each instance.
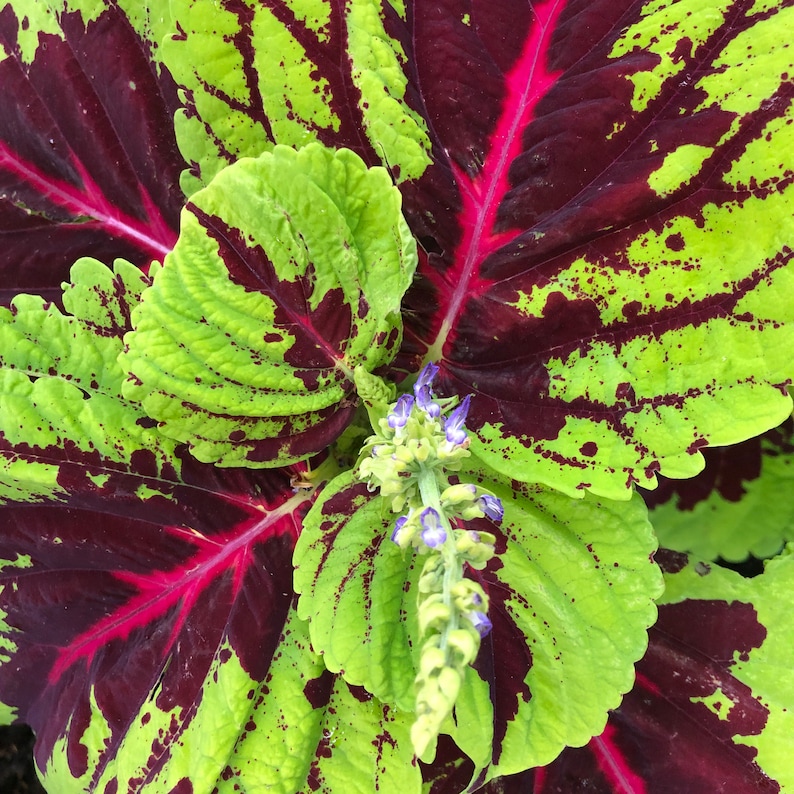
(577, 209)
(64, 427)
(88, 157)
(571, 591)
(711, 710)
(733, 508)
(287, 275)
(132, 574)
(257, 74)
(147, 597)
(297, 730)
(622, 185)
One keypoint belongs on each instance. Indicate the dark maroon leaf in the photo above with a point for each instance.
(659, 741)
(120, 596)
(88, 158)
(560, 228)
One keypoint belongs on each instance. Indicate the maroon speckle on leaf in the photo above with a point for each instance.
(318, 690)
(675, 242)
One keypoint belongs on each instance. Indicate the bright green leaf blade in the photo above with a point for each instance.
(366, 748)
(767, 669)
(737, 506)
(309, 731)
(352, 584)
(579, 582)
(572, 594)
(288, 274)
(300, 730)
(61, 411)
(214, 746)
(258, 74)
(285, 724)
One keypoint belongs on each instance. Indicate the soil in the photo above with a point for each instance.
(17, 772)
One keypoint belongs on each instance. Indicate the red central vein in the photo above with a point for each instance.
(613, 764)
(89, 202)
(160, 591)
(526, 84)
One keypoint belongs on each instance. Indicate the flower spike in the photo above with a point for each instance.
(398, 525)
(481, 622)
(413, 460)
(424, 399)
(426, 377)
(492, 507)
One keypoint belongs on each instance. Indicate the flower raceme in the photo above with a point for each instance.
(418, 446)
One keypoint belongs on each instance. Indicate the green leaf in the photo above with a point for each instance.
(151, 20)
(300, 730)
(366, 747)
(579, 583)
(259, 74)
(352, 582)
(61, 410)
(572, 594)
(288, 274)
(735, 518)
(766, 669)
(286, 719)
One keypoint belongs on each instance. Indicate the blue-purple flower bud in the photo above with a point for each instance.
(424, 399)
(491, 506)
(402, 410)
(398, 525)
(433, 534)
(425, 379)
(481, 622)
(454, 427)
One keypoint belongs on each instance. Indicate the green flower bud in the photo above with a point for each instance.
(449, 681)
(431, 579)
(464, 642)
(433, 613)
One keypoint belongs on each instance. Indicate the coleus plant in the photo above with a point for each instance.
(305, 297)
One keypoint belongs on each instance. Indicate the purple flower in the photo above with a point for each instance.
(433, 534)
(491, 506)
(426, 376)
(454, 428)
(402, 410)
(398, 525)
(424, 399)
(480, 622)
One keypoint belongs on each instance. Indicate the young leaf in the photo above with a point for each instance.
(365, 747)
(354, 586)
(257, 74)
(88, 157)
(571, 593)
(733, 508)
(288, 274)
(613, 284)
